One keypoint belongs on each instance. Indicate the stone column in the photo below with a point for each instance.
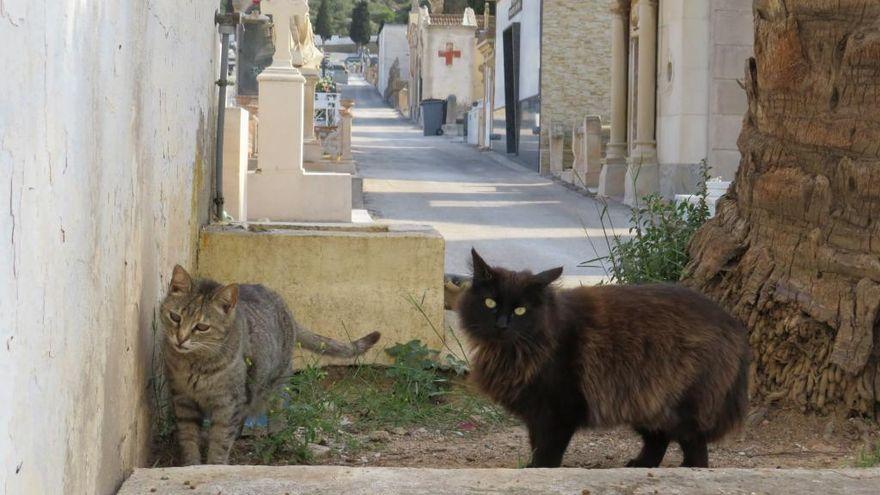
(642, 175)
(235, 162)
(309, 103)
(311, 147)
(592, 149)
(613, 172)
(282, 190)
(345, 129)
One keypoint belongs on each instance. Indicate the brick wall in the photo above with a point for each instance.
(575, 65)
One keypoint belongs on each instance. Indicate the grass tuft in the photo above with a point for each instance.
(337, 407)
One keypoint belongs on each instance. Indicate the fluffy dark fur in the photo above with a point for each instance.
(661, 358)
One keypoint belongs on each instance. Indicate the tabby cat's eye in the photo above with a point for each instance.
(519, 311)
(490, 303)
(174, 317)
(201, 327)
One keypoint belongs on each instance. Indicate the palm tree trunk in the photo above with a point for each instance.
(795, 248)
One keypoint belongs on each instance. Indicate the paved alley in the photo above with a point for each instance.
(512, 215)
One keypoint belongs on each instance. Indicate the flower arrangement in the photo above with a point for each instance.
(325, 85)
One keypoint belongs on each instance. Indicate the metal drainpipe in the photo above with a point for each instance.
(227, 23)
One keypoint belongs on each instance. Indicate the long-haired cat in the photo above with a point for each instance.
(227, 347)
(662, 359)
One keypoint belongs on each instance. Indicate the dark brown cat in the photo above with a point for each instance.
(661, 358)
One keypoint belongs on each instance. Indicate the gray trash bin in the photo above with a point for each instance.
(433, 117)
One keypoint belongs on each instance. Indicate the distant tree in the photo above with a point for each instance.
(380, 14)
(324, 21)
(360, 28)
(454, 6)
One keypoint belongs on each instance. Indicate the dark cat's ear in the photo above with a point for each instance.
(181, 282)
(226, 297)
(482, 271)
(546, 278)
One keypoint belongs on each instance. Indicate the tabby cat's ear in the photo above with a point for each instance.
(546, 278)
(482, 271)
(226, 298)
(181, 282)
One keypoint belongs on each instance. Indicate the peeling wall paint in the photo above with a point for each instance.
(106, 123)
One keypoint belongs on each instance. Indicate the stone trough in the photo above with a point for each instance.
(339, 280)
(334, 480)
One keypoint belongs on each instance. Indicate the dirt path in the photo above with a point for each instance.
(779, 439)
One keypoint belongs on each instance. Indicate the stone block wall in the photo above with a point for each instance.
(575, 66)
(732, 44)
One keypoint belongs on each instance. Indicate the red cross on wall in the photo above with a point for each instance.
(449, 54)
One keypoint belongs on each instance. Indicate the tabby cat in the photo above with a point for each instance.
(662, 359)
(227, 348)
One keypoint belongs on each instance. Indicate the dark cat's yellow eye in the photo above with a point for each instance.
(174, 317)
(201, 327)
(490, 303)
(519, 311)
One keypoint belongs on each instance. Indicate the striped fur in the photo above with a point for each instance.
(227, 348)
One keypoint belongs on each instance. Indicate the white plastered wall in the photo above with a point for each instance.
(106, 128)
(530, 49)
(393, 46)
(441, 80)
(682, 91)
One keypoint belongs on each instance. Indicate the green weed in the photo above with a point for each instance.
(656, 248)
(417, 389)
(869, 457)
(164, 420)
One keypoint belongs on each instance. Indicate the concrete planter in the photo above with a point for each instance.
(340, 280)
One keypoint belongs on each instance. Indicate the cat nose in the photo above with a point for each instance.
(181, 340)
(502, 322)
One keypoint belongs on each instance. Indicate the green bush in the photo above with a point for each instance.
(656, 248)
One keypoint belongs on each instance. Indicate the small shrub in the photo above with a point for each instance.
(415, 372)
(656, 248)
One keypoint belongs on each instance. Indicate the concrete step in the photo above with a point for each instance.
(327, 480)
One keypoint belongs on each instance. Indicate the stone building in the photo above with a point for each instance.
(444, 60)
(393, 46)
(551, 70)
(674, 94)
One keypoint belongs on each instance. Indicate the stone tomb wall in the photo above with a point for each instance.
(575, 67)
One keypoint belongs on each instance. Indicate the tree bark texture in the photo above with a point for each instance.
(794, 250)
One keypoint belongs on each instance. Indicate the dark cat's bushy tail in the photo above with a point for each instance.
(736, 404)
(331, 347)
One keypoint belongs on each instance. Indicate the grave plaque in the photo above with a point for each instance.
(255, 50)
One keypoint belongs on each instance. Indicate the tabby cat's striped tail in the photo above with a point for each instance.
(331, 347)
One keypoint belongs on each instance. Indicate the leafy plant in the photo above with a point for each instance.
(303, 415)
(656, 248)
(415, 372)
